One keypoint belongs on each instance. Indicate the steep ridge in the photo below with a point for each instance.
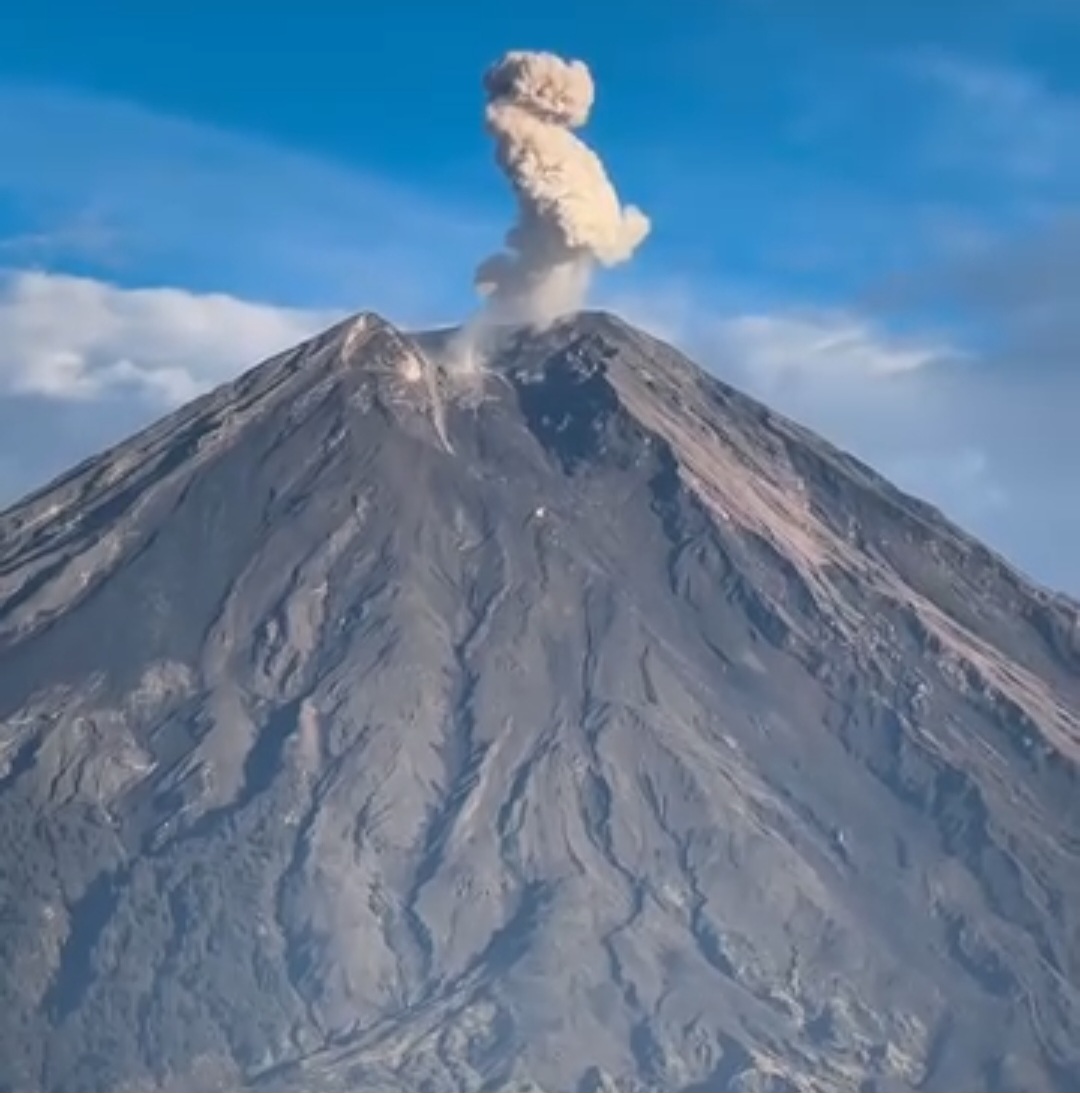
(590, 727)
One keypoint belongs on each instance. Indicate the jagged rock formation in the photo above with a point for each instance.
(593, 728)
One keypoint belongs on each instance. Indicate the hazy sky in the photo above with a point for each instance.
(866, 213)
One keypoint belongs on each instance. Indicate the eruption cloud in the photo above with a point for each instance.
(570, 219)
(569, 216)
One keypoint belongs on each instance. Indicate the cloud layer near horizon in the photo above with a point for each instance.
(77, 338)
(83, 363)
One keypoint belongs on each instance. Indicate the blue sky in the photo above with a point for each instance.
(866, 213)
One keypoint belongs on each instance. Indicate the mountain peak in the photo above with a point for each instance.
(589, 726)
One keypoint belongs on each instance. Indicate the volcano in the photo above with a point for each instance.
(585, 725)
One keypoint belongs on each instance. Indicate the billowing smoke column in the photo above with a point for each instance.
(569, 215)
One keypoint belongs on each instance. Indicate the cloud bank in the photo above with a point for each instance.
(77, 338)
(84, 363)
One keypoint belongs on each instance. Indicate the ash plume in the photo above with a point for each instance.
(570, 218)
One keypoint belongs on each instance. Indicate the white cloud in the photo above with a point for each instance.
(818, 347)
(787, 350)
(84, 363)
(77, 338)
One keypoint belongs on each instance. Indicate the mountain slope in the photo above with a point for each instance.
(592, 728)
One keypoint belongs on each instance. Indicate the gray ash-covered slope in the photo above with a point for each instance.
(594, 729)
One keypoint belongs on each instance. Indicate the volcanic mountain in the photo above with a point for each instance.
(585, 725)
